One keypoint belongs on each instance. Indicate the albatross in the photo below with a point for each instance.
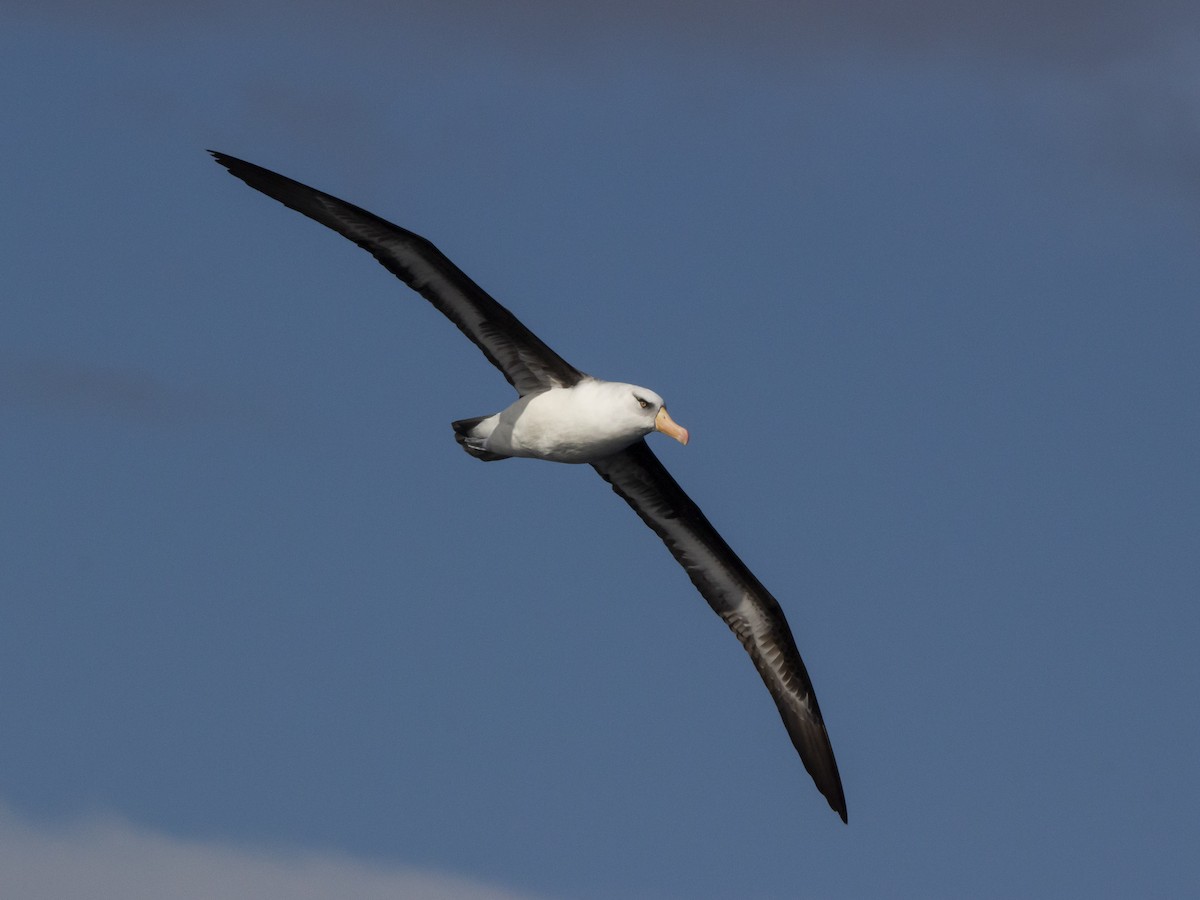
(564, 415)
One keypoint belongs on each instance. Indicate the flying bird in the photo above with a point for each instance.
(563, 415)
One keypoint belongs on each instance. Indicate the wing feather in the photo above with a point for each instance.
(737, 597)
(529, 365)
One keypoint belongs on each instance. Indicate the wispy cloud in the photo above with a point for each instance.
(108, 859)
(112, 392)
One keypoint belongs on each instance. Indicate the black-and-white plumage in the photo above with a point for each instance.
(563, 415)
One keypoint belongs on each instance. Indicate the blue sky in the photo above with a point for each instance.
(921, 282)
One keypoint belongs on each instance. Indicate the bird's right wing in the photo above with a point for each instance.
(528, 364)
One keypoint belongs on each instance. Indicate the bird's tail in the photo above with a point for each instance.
(473, 443)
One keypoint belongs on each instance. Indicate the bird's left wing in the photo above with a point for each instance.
(528, 364)
(737, 597)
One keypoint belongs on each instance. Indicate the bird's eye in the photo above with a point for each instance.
(642, 403)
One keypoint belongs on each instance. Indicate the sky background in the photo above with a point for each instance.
(922, 282)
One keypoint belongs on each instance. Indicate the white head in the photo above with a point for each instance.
(638, 411)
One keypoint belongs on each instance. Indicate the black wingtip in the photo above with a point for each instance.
(811, 741)
(240, 168)
(835, 797)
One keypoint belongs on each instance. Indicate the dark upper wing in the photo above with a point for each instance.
(528, 364)
(737, 597)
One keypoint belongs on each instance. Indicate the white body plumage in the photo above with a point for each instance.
(580, 424)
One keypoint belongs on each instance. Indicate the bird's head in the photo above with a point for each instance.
(646, 408)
